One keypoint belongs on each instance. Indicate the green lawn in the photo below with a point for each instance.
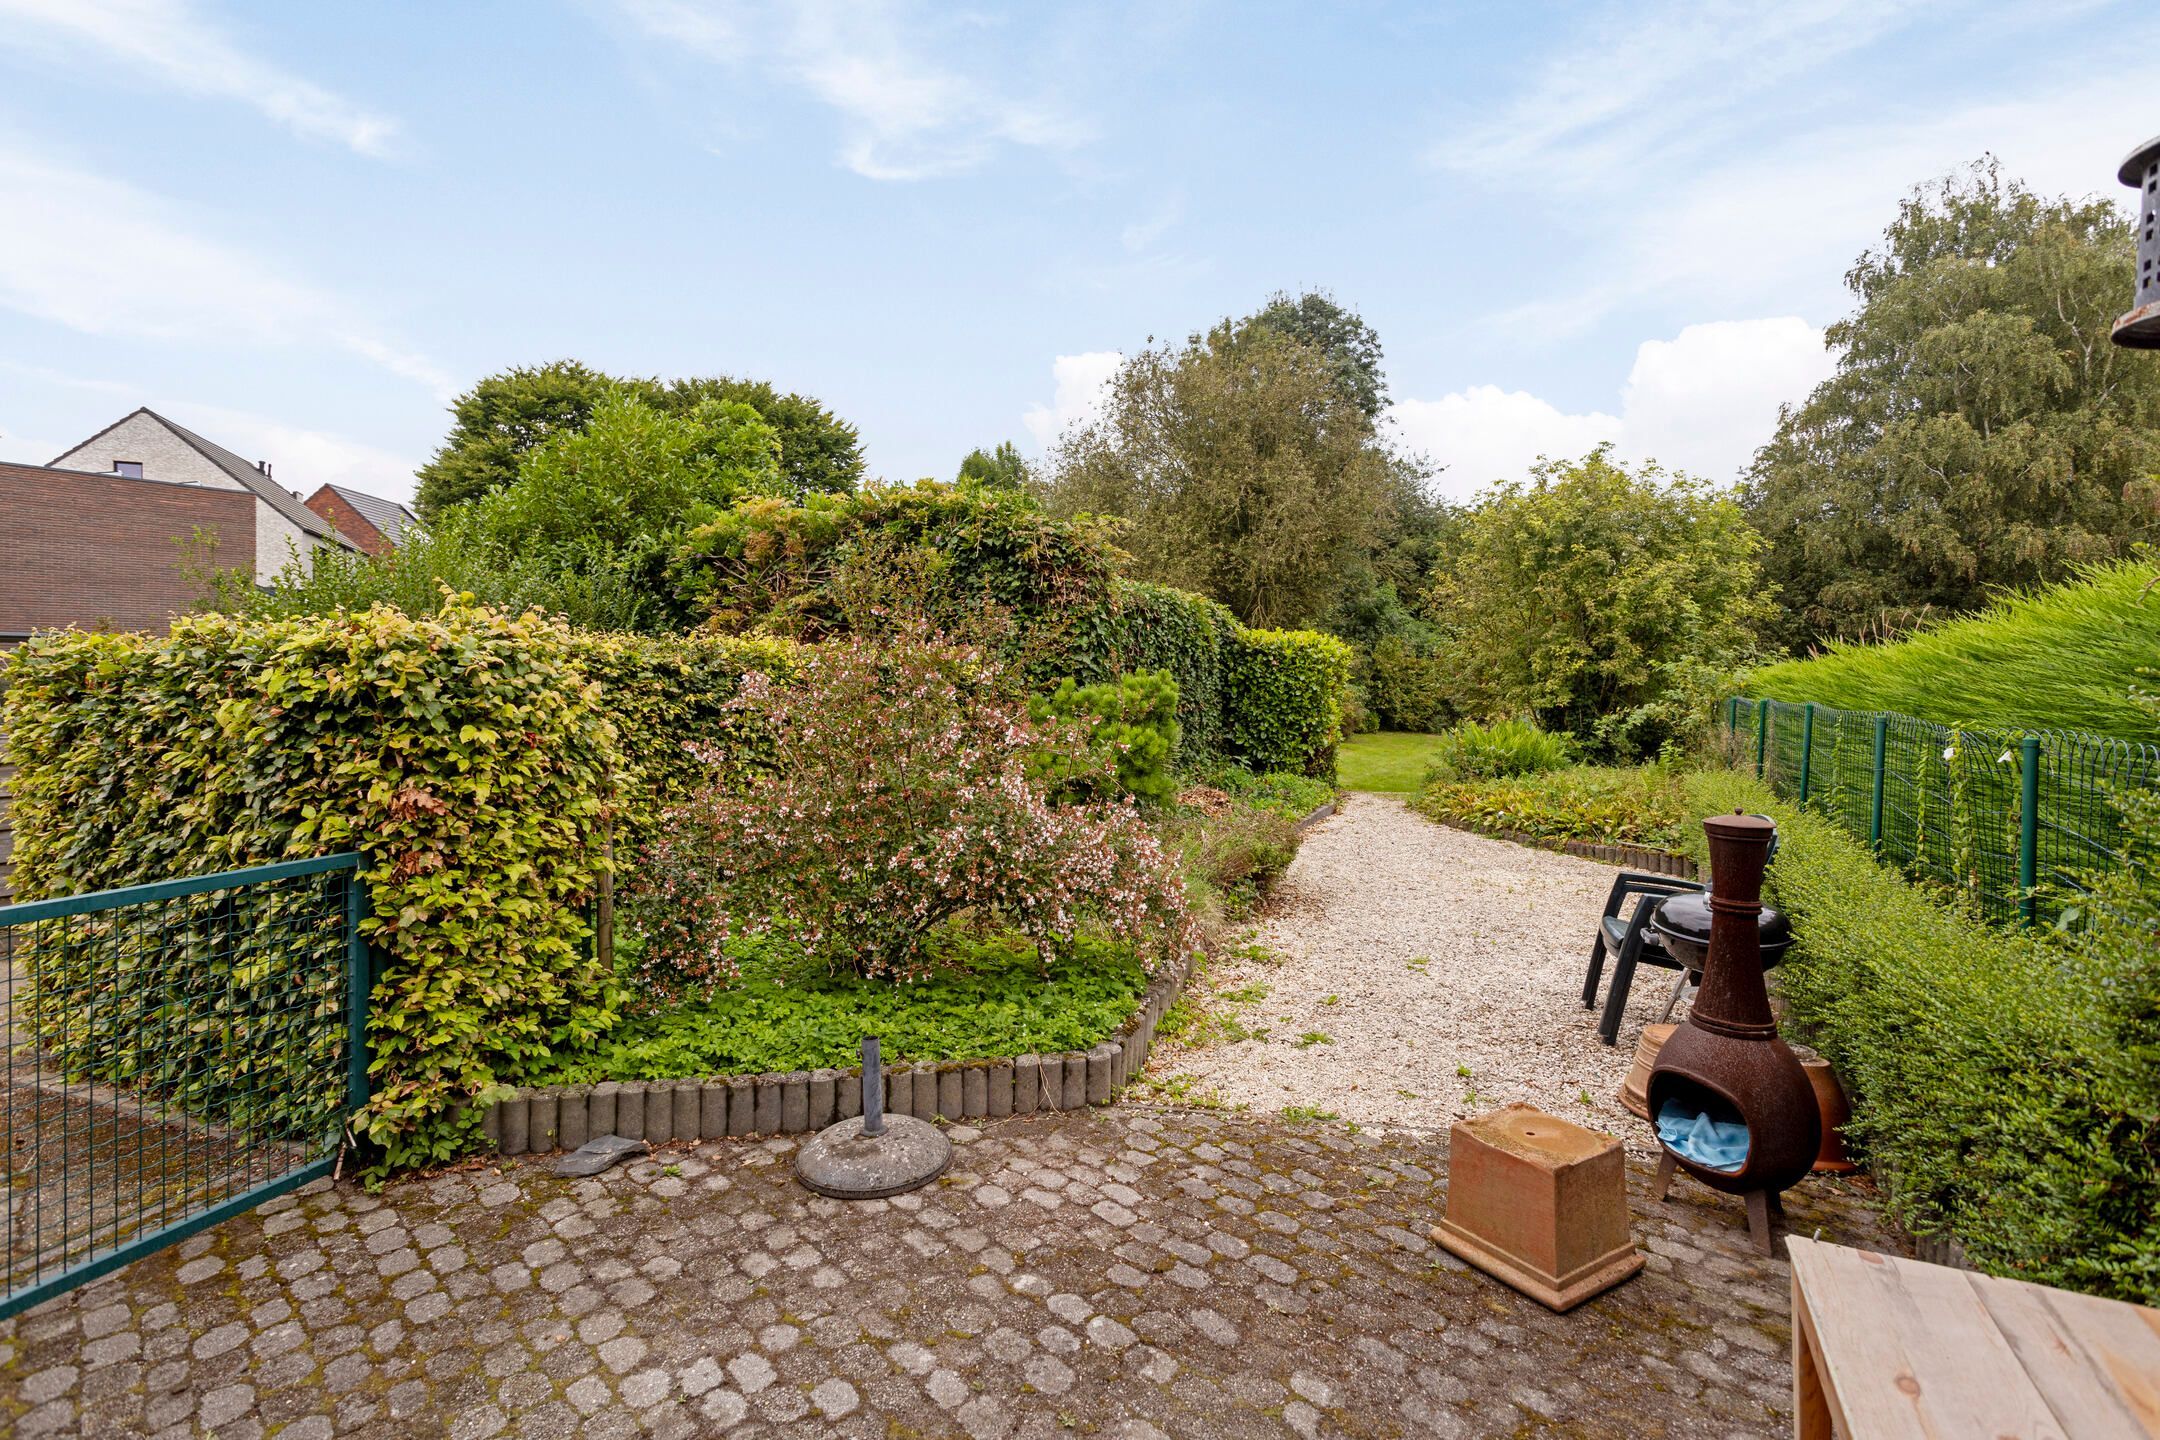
(1389, 761)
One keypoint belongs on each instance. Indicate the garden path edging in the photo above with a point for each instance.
(539, 1120)
(1635, 857)
(1320, 813)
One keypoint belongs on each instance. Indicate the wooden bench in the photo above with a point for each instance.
(1892, 1348)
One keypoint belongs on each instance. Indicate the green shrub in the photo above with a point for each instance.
(1132, 720)
(1159, 628)
(901, 796)
(1043, 592)
(1498, 751)
(2003, 1083)
(1293, 797)
(985, 996)
(1231, 855)
(1406, 689)
(1641, 805)
(2067, 657)
(666, 693)
(463, 754)
(942, 553)
(1283, 693)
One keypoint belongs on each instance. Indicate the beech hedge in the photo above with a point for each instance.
(665, 694)
(1283, 699)
(464, 754)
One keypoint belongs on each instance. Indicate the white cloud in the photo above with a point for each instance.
(1777, 224)
(1142, 234)
(906, 115)
(1703, 402)
(1646, 78)
(104, 258)
(1082, 382)
(1484, 434)
(166, 40)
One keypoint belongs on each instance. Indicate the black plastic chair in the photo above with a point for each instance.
(1626, 936)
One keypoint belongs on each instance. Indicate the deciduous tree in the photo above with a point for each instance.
(1248, 472)
(1604, 603)
(507, 414)
(1980, 431)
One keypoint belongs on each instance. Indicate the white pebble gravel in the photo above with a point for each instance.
(1505, 931)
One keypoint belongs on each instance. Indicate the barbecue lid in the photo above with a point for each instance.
(1687, 918)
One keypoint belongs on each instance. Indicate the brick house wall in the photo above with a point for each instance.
(149, 440)
(98, 550)
(349, 523)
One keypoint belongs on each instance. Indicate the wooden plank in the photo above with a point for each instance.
(1908, 1349)
(2122, 1341)
(1815, 1414)
(2059, 1362)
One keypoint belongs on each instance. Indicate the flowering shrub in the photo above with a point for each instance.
(906, 795)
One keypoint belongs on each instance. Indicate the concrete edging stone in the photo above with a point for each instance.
(541, 1119)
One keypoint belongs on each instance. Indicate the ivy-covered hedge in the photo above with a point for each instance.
(465, 755)
(2003, 1083)
(1270, 700)
(1159, 628)
(1282, 699)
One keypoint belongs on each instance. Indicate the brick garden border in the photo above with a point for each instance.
(540, 1119)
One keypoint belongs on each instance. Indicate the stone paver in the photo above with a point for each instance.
(1200, 1275)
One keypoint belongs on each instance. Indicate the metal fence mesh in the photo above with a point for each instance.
(1949, 805)
(168, 1054)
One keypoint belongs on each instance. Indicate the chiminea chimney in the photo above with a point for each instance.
(264, 467)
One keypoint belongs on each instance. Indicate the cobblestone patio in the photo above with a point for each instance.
(1130, 1272)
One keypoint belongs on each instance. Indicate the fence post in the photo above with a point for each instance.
(359, 981)
(2029, 830)
(1762, 735)
(1807, 747)
(1882, 737)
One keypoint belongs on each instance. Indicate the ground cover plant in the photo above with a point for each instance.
(1385, 761)
(2071, 656)
(2002, 1080)
(1288, 797)
(981, 997)
(1635, 805)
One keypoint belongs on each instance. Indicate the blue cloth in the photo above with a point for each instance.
(1693, 1134)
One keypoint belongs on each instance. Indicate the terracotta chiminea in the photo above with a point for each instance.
(1725, 1067)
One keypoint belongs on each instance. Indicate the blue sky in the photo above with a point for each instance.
(302, 229)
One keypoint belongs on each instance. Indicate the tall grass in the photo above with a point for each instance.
(2066, 657)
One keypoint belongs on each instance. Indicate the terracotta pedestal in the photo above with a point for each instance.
(1830, 1099)
(1539, 1204)
(1635, 1090)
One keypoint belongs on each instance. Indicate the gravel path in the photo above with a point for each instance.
(1503, 931)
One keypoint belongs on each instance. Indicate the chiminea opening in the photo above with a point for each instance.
(1703, 1127)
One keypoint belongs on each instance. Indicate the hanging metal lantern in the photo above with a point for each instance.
(2140, 329)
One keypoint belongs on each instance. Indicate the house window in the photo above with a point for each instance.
(130, 468)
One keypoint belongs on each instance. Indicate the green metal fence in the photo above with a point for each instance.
(175, 1054)
(2015, 818)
